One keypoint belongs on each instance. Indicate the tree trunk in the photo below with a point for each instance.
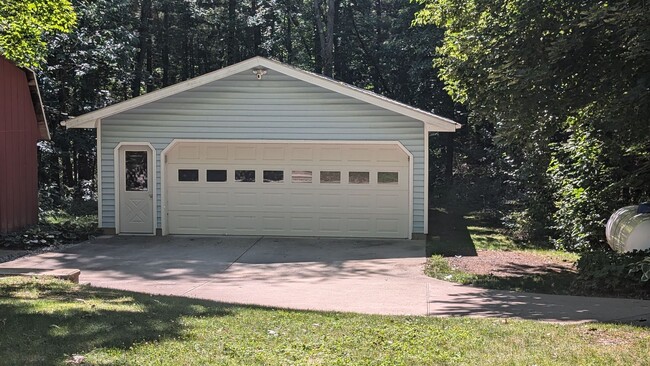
(145, 15)
(231, 47)
(149, 76)
(165, 46)
(328, 54)
(338, 60)
(319, 37)
(257, 34)
(288, 44)
(370, 58)
(318, 60)
(192, 53)
(377, 81)
(449, 157)
(325, 35)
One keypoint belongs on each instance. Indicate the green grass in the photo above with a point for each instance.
(45, 322)
(487, 234)
(465, 234)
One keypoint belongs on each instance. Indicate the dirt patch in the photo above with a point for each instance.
(510, 263)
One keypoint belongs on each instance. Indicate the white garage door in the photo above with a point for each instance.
(292, 189)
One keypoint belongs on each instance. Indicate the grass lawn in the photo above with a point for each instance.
(465, 234)
(45, 322)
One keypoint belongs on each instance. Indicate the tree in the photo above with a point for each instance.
(26, 24)
(122, 48)
(549, 73)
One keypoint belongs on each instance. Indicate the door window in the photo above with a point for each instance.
(136, 170)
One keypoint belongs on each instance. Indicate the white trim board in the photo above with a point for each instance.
(98, 154)
(434, 122)
(163, 181)
(118, 180)
(426, 180)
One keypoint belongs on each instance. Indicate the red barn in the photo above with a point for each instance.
(22, 124)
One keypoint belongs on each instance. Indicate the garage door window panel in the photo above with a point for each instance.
(330, 177)
(292, 194)
(273, 176)
(216, 175)
(359, 177)
(387, 178)
(188, 175)
(301, 176)
(245, 176)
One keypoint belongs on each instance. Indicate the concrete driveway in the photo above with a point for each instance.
(365, 276)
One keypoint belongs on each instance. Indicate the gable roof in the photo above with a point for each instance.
(432, 121)
(37, 101)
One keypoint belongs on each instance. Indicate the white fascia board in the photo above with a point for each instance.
(434, 122)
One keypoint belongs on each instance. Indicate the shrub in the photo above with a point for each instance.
(54, 228)
(614, 273)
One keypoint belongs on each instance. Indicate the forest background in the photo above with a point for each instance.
(553, 95)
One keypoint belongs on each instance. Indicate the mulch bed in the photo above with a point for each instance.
(509, 264)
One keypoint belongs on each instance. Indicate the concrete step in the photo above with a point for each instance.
(62, 274)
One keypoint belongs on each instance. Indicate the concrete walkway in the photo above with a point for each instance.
(365, 276)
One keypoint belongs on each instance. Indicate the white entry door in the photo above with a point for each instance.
(135, 189)
(288, 188)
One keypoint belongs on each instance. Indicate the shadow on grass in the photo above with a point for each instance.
(46, 322)
(522, 278)
(557, 283)
(449, 235)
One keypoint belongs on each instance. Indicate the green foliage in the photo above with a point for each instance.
(580, 175)
(642, 266)
(26, 24)
(565, 85)
(121, 48)
(54, 228)
(438, 267)
(614, 273)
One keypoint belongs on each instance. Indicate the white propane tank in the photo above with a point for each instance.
(629, 228)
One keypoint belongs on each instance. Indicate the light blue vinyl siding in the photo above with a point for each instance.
(241, 107)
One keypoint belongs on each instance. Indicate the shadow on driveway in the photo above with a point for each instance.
(198, 259)
(364, 276)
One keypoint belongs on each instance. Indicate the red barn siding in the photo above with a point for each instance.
(18, 152)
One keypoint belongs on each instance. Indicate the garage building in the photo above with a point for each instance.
(263, 148)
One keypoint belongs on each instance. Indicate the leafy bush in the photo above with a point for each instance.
(54, 228)
(581, 172)
(614, 273)
(80, 200)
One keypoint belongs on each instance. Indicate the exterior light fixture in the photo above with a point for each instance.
(259, 73)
